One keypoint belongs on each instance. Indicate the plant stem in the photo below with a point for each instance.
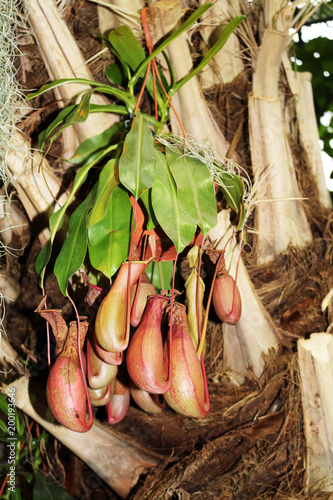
(189, 102)
(204, 327)
(184, 27)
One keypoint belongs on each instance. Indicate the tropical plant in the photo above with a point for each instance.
(168, 181)
(134, 232)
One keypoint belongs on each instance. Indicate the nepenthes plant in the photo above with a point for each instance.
(152, 203)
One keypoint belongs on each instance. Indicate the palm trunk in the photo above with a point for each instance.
(280, 220)
(63, 59)
(120, 12)
(38, 187)
(239, 414)
(315, 359)
(228, 63)
(300, 85)
(255, 333)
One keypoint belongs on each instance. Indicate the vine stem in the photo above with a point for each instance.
(171, 317)
(150, 46)
(128, 311)
(135, 302)
(169, 100)
(143, 257)
(204, 376)
(142, 89)
(200, 353)
(204, 327)
(4, 484)
(235, 285)
(198, 290)
(149, 42)
(48, 345)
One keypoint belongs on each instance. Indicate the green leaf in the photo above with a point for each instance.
(108, 180)
(78, 114)
(232, 189)
(195, 189)
(3, 404)
(97, 143)
(46, 488)
(57, 219)
(108, 108)
(16, 494)
(170, 215)
(211, 52)
(81, 112)
(146, 200)
(61, 118)
(43, 259)
(172, 72)
(160, 274)
(114, 74)
(19, 424)
(106, 89)
(130, 53)
(109, 238)
(137, 162)
(74, 249)
(3, 427)
(126, 47)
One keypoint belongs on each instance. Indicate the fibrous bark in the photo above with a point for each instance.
(114, 13)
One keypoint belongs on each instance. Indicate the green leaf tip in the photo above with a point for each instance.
(137, 164)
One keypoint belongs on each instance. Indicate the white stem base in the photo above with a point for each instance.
(227, 64)
(255, 332)
(64, 59)
(281, 220)
(300, 85)
(315, 359)
(37, 187)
